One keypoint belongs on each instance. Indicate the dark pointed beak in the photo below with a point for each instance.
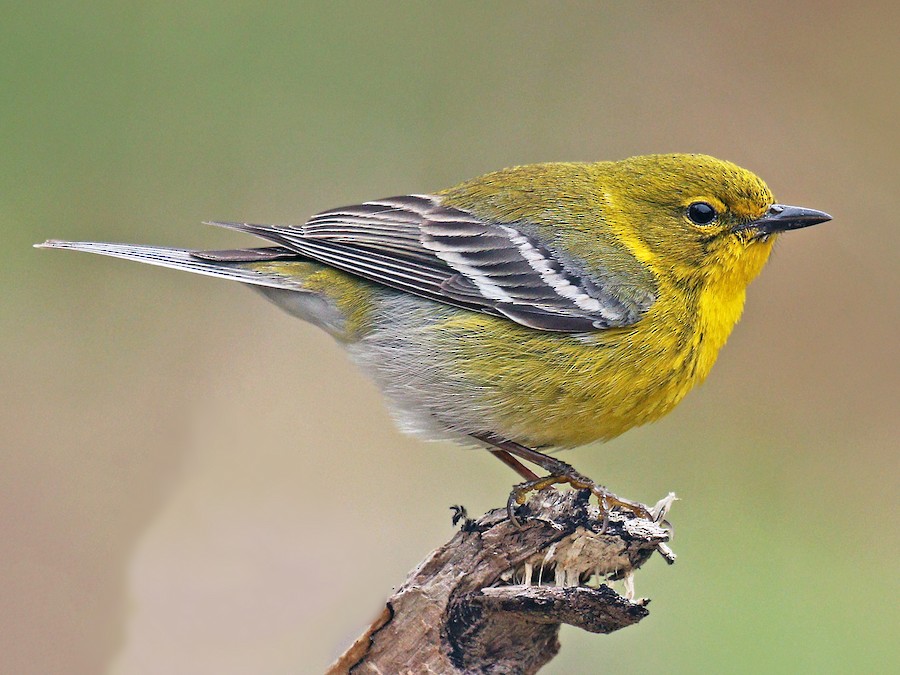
(780, 218)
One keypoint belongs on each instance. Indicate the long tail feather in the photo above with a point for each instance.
(180, 259)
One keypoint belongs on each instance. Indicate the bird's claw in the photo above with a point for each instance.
(606, 500)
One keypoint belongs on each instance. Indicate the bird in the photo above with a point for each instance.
(532, 309)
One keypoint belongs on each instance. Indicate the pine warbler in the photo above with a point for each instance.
(543, 306)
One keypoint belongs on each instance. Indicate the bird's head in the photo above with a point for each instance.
(696, 217)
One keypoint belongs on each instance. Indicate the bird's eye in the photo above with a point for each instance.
(701, 213)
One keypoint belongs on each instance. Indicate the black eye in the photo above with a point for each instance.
(701, 213)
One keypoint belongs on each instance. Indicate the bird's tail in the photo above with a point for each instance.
(238, 265)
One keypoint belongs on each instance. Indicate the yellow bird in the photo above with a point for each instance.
(542, 306)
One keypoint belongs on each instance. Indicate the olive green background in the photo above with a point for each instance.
(193, 482)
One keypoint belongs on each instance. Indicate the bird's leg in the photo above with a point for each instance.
(514, 464)
(559, 473)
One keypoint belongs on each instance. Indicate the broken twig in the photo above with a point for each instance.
(493, 598)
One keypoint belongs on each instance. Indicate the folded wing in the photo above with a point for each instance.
(415, 244)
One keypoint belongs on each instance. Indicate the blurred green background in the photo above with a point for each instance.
(193, 482)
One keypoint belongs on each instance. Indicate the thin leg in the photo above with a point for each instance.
(546, 462)
(513, 463)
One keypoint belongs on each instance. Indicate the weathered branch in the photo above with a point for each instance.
(492, 599)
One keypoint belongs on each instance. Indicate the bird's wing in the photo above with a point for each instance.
(413, 243)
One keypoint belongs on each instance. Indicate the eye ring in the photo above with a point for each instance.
(701, 213)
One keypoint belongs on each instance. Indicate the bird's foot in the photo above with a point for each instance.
(560, 473)
(568, 476)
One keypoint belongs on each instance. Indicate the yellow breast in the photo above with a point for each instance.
(566, 390)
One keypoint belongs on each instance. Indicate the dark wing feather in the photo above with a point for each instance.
(415, 244)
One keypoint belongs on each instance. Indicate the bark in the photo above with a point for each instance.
(492, 599)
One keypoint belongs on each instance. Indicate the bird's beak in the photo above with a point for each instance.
(780, 218)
